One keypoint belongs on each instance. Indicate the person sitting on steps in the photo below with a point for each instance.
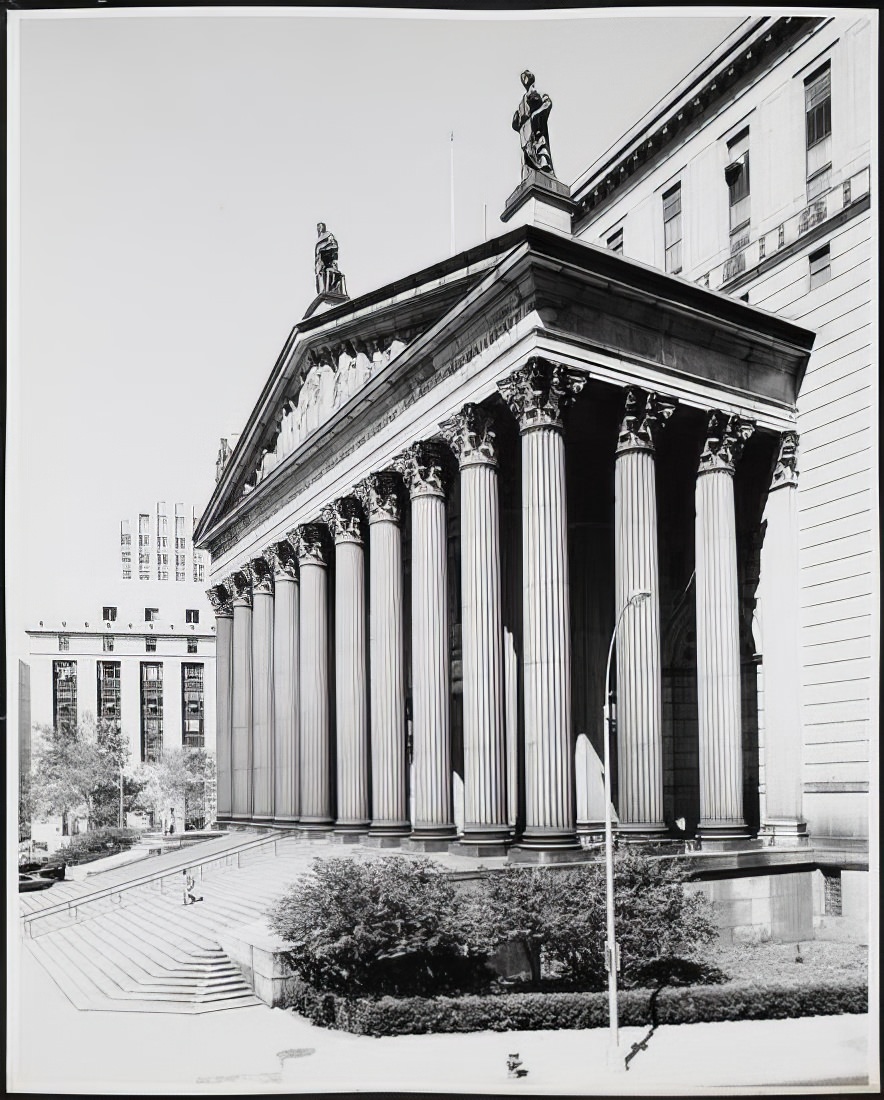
(189, 887)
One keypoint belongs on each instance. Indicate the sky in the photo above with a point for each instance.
(171, 171)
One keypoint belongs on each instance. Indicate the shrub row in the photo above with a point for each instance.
(547, 1011)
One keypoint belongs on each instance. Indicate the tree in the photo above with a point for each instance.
(181, 777)
(76, 768)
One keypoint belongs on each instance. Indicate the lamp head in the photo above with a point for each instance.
(639, 596)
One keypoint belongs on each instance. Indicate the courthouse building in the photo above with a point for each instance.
(452, 487)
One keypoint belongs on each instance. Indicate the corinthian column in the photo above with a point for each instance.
(238, 584)
(262, 690)
(286, 770)
(316, 812)
(423, 467)
(639, 684)
(486, 832)
(537, 394)
(344, 519)
(219, 598)
(718, 632)
(781, 654)
(380, 496)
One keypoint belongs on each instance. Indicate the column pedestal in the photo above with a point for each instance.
(537, 395)
(722, 822)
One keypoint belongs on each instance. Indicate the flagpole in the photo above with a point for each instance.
(453, 238)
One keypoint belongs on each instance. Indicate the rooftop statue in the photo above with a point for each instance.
(329, 279)
(531, 121)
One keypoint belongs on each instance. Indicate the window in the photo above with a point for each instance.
(64, 643)
(192, 707)
(191, 615)
(615, 241)
(143, 566)
(672, 228)
(109, 614)
(151, 614)
(125, 534)
(820, 267)
(162, 567)
(179, 527)
(192, 645)
(109, 692)
(143, 531)
(64, 695)
(151, 712)
(108, 643)
(832, 897)
(199, 572)
(818, 121)
(737, 178)
(150, 645)
(180, 567)
(127, 566)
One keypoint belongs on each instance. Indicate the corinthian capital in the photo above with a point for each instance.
(381, 496)
(262, 576)
(539, 392)
(470, 434)
(725, 436)
(239, 585)
(786, 469)
(424, 468)
(281, 558)
(343, 517)
(309, 542)
(219, 598)
(644, 416)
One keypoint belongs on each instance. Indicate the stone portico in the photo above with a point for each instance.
(416, 575)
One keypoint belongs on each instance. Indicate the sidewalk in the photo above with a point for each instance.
(53, 1047)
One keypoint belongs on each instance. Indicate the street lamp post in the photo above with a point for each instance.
(612, 955)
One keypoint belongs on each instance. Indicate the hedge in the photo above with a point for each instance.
(566, 1011)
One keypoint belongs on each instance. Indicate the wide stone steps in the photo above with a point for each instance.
(146, 951)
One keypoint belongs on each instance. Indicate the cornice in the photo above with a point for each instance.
(747, 56)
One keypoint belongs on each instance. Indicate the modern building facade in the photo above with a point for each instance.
(452, 487)
(141, 654)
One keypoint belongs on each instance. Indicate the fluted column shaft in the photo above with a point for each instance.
(241, 730)
(549, 803)
(287, 794)
(316, 810)
(223, 709)
(639, 682)
(434, 818)
(351, 710)
(380, 497)
(718, 642)
(537, 395)
(472, 436)
(262, 697)
(783, 819)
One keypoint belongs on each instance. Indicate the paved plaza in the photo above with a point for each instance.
(55, 1048)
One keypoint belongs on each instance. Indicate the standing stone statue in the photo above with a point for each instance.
(329, 279)
(531, 121)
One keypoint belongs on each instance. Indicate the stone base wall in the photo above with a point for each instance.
(756, 908)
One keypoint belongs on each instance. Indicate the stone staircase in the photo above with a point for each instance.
(148, 952)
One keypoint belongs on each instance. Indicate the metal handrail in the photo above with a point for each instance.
(72, 904)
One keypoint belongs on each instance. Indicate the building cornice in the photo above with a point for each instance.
(750, 49)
